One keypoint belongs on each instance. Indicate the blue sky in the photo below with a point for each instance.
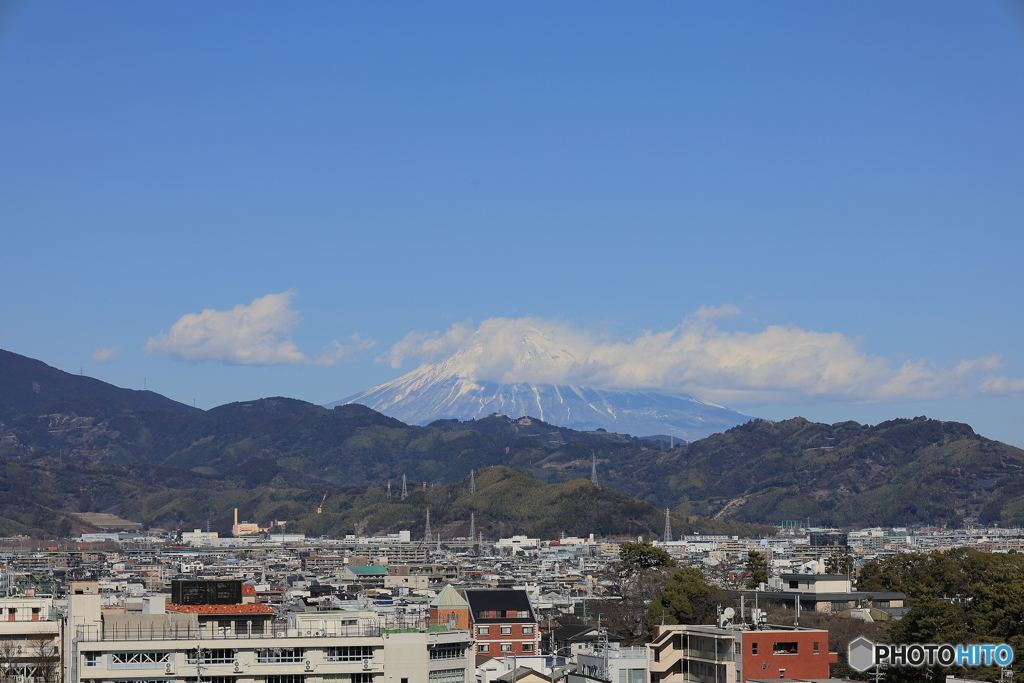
(840, 185)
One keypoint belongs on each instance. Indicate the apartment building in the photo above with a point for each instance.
(168, 645)
(709, 654)
(30, 639)
(503, 623)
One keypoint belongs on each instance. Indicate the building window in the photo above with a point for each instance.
(447, 676)
(212, 656)
(794, 584)
(632, 675)
(784, 648)
(815, 647)
(523, 614)
(280, 655)
(139, 660)
(348, 653)
(506, 647)
(527, 630)
(506, 630)
(753, 648)
(93, 658)
(737, 650)
(483, 630)
(782, 673)
(527, 647)
(206, 679)
(453, 651)
(286, 678)
(483, 647)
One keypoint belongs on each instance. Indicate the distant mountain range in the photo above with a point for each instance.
(449, 390)
(79, 445)
(26, 384)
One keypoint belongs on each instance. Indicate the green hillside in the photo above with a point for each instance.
(106, 449)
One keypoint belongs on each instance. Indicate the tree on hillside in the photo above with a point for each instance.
(757, 566)
(686, 599)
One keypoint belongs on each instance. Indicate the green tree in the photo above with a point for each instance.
(640, 555)
(839, 563)
(757, 567)
(686, 599)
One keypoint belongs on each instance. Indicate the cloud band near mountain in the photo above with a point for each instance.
(777, 364)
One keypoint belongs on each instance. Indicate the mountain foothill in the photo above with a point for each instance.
(71, 444)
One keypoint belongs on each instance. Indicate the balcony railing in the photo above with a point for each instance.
(708, 654)
(369, 629)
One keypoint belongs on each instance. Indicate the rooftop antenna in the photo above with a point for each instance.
(405, 491)
(593, 470)
(472, 525)
(426, 531)
(667, 536)
(472, 481)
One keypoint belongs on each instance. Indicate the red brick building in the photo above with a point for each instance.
(503, 623)
(732, 655)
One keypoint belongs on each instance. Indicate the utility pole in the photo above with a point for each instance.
(667, 536)
(426, 532)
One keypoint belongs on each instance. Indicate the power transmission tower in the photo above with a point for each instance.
(472, 481)
(472, 525)
(667, 536)
(426, 532)
(389, 488)
(405, 491)
(593, 470)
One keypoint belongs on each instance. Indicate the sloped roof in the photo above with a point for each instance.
(449, 597)
(500, 601)
(368, 570)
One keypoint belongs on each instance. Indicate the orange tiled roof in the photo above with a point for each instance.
(222, 609)
(248, 589)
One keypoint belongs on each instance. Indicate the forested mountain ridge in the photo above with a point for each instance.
(102, 451)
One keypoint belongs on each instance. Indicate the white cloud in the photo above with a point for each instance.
(105, 355)
(337, 351)
(777, 364)
(253, 334)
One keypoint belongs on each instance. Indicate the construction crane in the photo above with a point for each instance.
(320, 507)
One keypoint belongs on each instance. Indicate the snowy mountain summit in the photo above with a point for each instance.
(529, 374)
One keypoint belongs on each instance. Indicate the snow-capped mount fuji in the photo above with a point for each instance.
(450, 389)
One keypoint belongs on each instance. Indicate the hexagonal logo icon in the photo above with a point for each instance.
(861, 653)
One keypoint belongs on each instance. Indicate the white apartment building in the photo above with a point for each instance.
(162, 646)
(30, 639)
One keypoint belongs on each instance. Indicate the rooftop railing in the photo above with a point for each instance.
(150, 632)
